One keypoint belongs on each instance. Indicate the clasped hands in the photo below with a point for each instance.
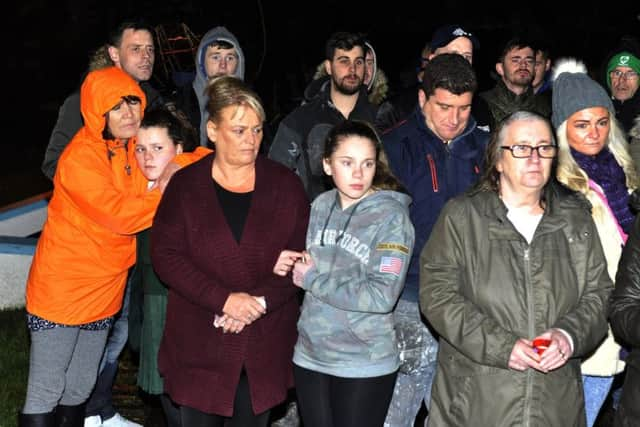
(298, 262)
(524, 355)
(240, 310)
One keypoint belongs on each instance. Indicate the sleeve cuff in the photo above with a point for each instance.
(568, 336)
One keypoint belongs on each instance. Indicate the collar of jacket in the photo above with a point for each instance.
(505, 94)
(634, 100)
(361, 103)
(154, 98)
(558, 199)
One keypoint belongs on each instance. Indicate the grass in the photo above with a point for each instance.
(14, 370)
(14, 364)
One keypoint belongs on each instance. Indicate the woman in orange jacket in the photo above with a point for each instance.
(87, 245)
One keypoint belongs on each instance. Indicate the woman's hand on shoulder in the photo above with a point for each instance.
(163, 180)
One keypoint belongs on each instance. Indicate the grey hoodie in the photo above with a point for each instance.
(201, 80)
(360, 257)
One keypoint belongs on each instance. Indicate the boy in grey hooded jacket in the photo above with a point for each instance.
(193, 99)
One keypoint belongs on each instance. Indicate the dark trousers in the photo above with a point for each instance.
(101, 400)
(171, 411)
(243, 415)
(330, 401)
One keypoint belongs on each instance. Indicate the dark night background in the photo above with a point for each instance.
(47, 45)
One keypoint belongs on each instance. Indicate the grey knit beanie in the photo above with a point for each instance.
(574, 90)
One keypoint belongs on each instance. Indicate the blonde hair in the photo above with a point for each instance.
(225, 91)
(573, 176)
(100, 59)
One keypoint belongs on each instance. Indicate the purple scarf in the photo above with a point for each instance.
(608, 174)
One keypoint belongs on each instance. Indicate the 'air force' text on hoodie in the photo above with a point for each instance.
(360, 256)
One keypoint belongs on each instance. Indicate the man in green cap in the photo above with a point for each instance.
(622, 79)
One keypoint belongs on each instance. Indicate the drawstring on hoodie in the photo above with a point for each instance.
(346, 224)
(111, 153)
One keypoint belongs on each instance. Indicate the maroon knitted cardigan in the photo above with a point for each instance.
(195, 254)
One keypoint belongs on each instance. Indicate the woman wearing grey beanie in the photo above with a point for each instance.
(593, 159)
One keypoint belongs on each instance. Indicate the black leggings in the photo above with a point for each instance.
(329, 401)
(243, 415)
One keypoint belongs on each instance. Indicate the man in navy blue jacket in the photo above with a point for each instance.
(437, 153)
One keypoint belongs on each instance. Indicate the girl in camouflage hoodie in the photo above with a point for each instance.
(359, 241)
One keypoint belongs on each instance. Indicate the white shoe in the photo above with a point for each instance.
(93, 421)
(119, 421)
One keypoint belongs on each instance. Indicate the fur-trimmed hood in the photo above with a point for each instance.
(378, 88)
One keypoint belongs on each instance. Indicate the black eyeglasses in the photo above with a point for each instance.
(521, 151)
(628, 75)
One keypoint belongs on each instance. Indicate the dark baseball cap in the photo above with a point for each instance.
(446, 34)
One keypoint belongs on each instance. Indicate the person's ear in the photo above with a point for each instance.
(327, 66)
(422, 98)
(212, 130)
(179, 149)
(114, 54)
(499, 69)
(326, 165)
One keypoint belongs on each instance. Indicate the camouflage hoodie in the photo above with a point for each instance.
(360, 257)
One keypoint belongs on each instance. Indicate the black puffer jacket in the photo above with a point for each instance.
(627, 111)
(299, 141)
(625, 321)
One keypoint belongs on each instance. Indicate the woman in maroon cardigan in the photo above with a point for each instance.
(219, 234)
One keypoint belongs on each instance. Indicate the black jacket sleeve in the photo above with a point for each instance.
(624, 313)
(68, 124)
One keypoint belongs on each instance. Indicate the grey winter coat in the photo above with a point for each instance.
(482, 287)
(360, 257)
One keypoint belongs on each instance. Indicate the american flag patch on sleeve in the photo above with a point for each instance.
(390, 264)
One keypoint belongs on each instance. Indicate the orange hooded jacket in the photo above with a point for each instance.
(100, 200)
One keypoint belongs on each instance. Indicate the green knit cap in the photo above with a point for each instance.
(622, 59)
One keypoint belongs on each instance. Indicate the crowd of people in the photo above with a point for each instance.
(473, 252)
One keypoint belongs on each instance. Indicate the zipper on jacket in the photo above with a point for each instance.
(531, 329)
(434, 173)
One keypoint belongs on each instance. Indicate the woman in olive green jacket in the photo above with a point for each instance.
(516, 260)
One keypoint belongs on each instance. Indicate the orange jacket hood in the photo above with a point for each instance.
(101, 91)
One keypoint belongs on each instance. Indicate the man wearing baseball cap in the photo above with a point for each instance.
(454, 39)
(446, 39)
(622, 79)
